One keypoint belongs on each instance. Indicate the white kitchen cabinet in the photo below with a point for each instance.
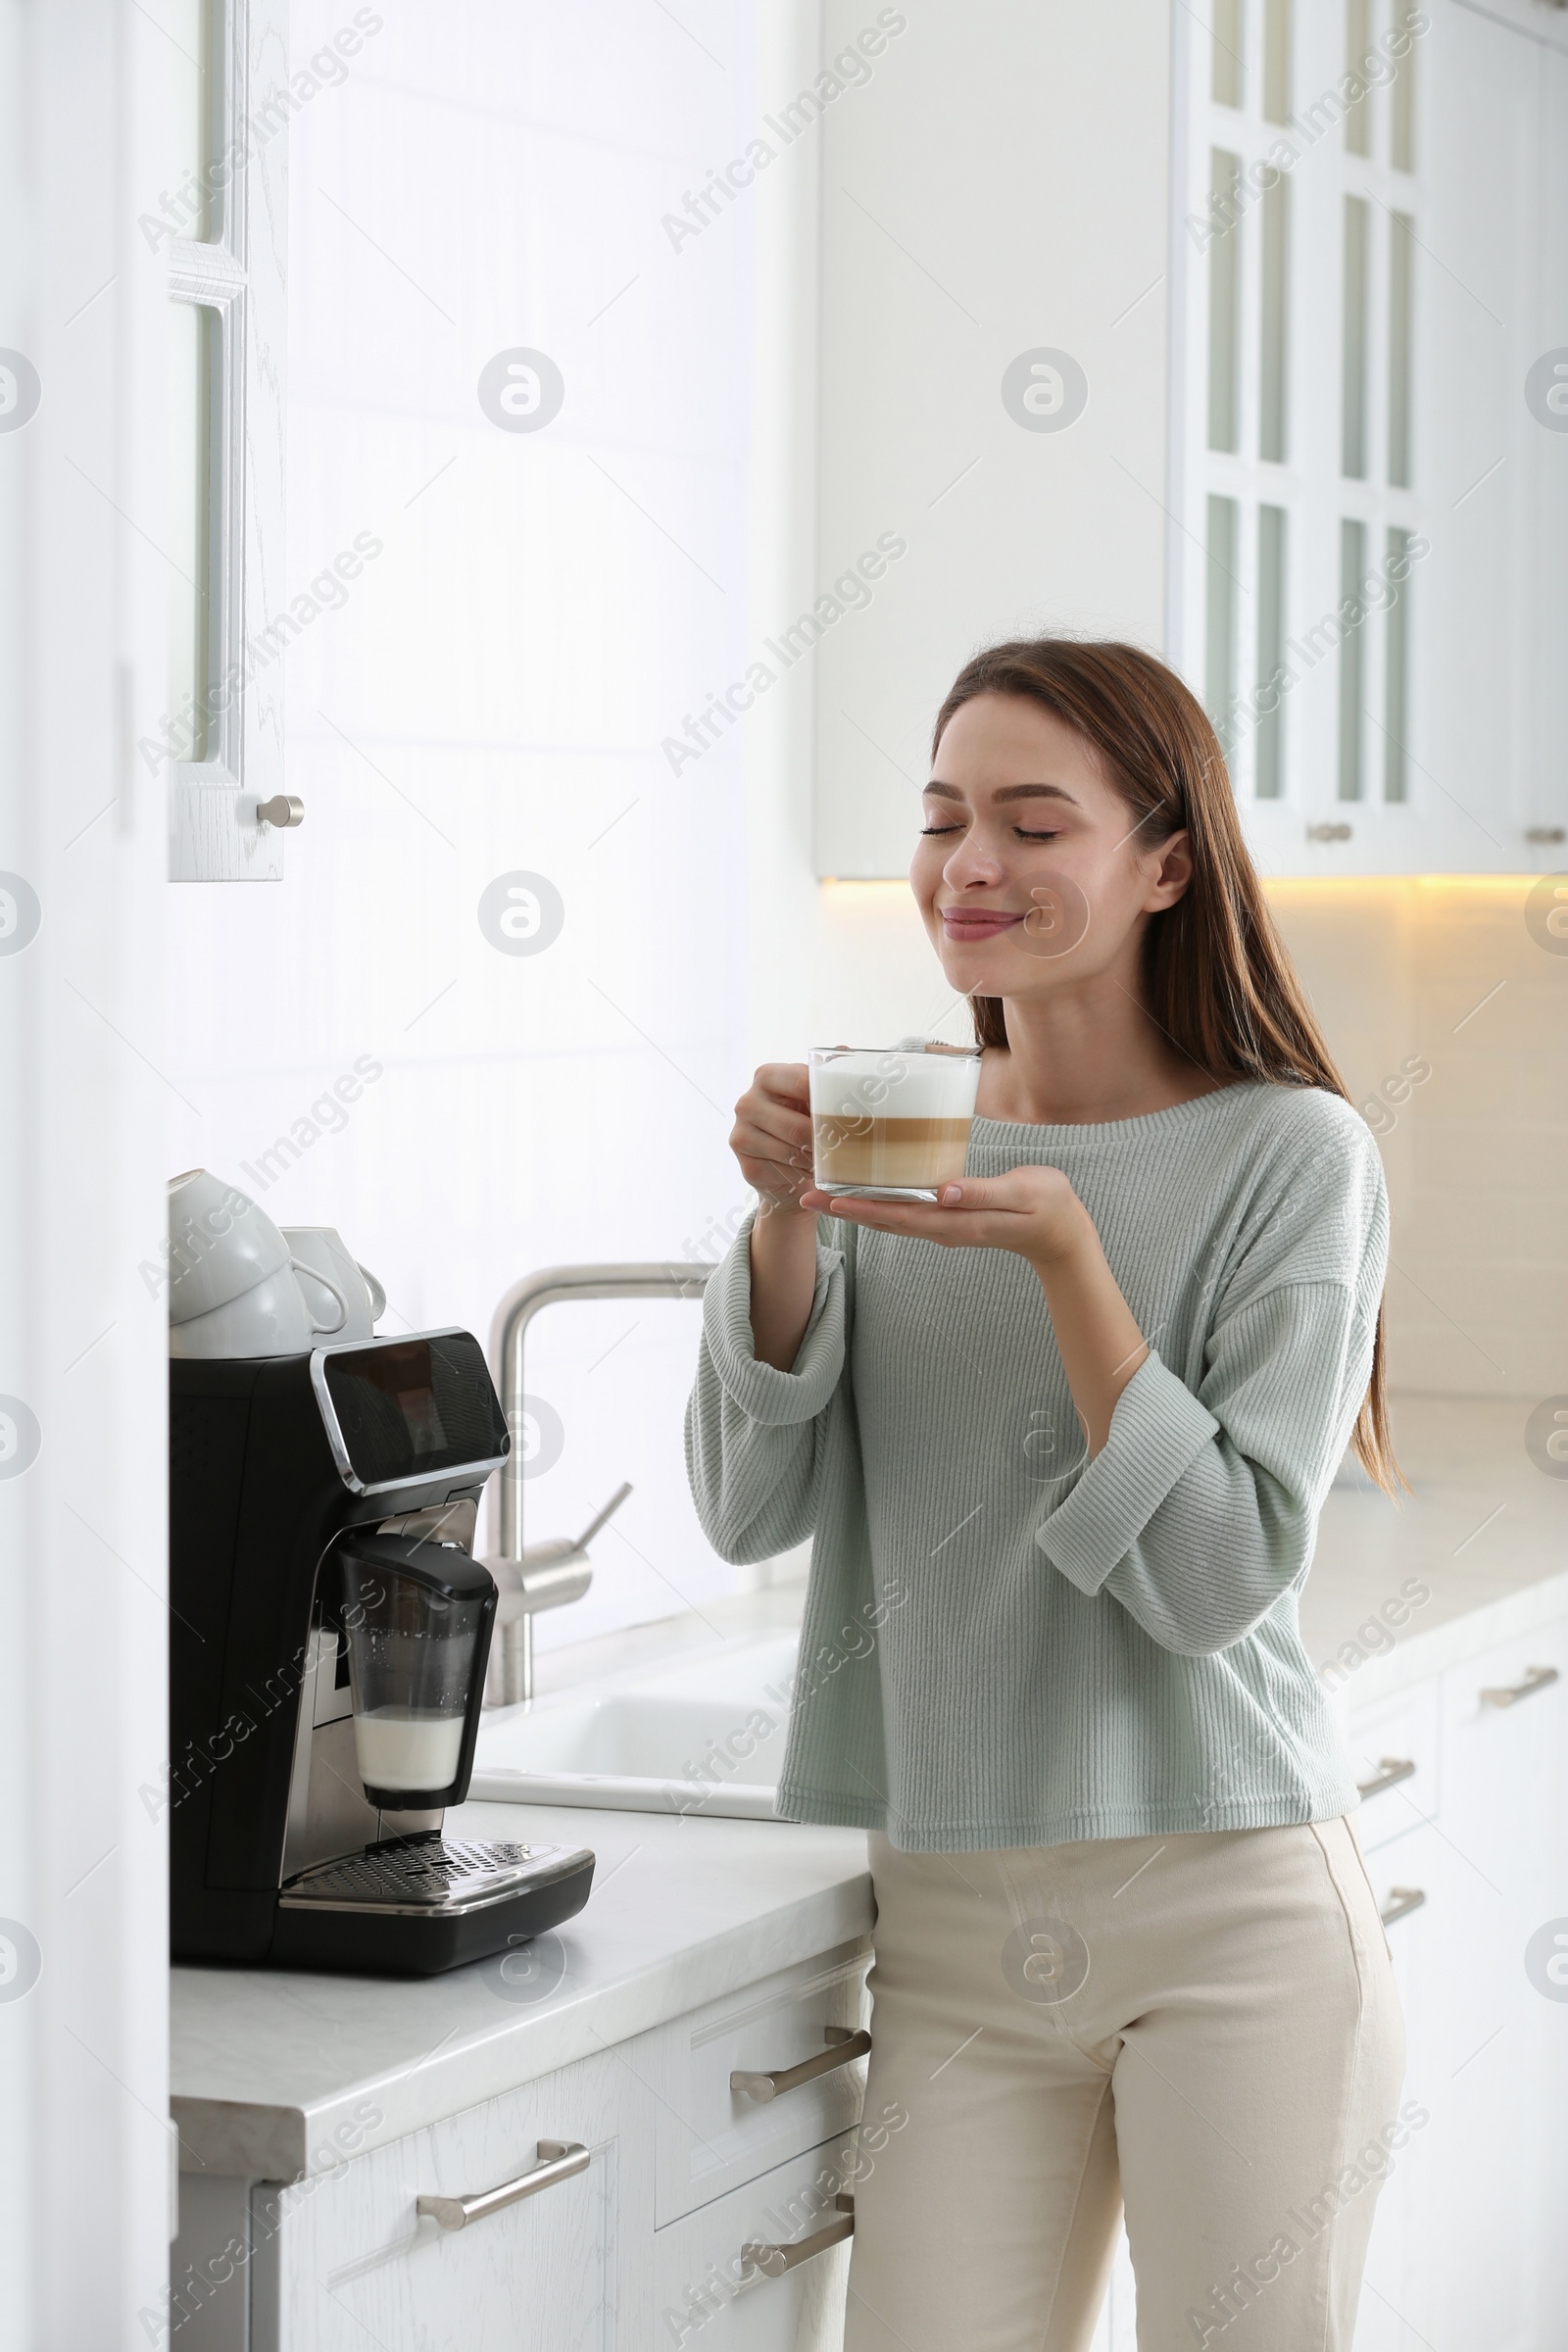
(1417, 2193)
(1283, 431)
(583, 2264)
(354, 2263)
(1506, 1750)
(709, 2136)
(1374, 560)
(704, 2286)
(1467, 2244)
(972, 216)
(1393, 1754)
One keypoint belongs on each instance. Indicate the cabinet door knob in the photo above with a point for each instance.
(843, 2046)
(774, 2261)
(559, 2159)
(282, 810)
(1536, 1678)
(1402, 1900)
(1395, 1770)
(1336, 832)
(1546, 833)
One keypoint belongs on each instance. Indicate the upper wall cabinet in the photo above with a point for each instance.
(995, 193)
(1371, 444)
(1255, 336)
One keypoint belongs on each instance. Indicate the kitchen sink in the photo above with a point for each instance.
(702, 1736)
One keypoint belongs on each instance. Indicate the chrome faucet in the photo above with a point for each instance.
(545, 1576)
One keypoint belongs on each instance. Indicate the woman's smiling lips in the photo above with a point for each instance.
(976, 922)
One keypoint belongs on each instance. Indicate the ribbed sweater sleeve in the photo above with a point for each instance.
(753, 1432)
(1201, 1509)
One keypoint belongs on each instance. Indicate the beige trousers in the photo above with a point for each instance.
(1203, 2029)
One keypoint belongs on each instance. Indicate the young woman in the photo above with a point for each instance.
(1063, 1439)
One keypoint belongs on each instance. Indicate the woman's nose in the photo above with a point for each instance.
(972, 864)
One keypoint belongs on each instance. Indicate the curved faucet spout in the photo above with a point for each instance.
(511, 1676)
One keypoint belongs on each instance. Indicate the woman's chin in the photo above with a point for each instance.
(973, 971)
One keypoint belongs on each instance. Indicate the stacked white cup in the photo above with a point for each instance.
(234, 1278)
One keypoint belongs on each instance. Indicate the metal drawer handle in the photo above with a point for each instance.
(1395, 1770)
(843, 2046)
(774, 2261)
(1402, 1900)
(559, 2159)
(1536, 1679)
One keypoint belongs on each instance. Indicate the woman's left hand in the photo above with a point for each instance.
(1032, 1212)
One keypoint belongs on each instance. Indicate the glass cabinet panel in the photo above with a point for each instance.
(1272, 540)
(1397, 668)
(1352, 391)
(1229, 18)
(1276, 61)
(1402, 266)
(1274, 323)
(1352, 564)
(191, 386)
(188, 47)
(1223, 597)
(1224, 302)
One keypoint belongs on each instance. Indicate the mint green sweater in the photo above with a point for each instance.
(1006, 1644)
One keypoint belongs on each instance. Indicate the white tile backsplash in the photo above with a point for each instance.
(1478, 1292)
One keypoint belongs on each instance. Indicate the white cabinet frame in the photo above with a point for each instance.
(240, 273)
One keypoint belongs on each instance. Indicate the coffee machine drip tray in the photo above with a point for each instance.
(415, 1905)
(427, 1873)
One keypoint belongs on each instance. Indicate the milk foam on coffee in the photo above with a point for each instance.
(892, 1085)
(407, 1747)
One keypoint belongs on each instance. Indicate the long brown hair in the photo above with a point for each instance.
(1217, 977)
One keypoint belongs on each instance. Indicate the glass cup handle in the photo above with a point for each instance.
(322, 1330)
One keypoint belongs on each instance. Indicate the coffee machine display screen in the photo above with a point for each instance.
(404, 1409)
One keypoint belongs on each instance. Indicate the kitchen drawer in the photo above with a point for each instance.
(1394, 1752)
(703, 2288)
(1396, 2300)
(1506, 1788)
(711, 2138)
(352, 2263)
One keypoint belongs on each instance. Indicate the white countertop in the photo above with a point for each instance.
(1483, 1531)
(265, 2062)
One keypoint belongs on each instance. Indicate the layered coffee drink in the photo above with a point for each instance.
(892, 1121)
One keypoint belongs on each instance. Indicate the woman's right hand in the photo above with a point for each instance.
(772, 1138)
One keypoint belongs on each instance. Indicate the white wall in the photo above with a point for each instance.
(493, 693)
(84, 2143)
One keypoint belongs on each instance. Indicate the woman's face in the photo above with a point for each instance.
(1030, 873)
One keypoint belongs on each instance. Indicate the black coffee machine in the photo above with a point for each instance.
(328, 1634)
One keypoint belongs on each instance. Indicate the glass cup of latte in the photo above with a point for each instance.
(890, 1123)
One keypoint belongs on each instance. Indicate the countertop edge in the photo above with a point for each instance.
(239, 2140)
